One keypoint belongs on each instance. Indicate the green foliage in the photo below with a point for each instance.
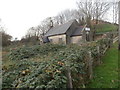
(27, 52)
(105, 27)
(51, 73)
(107, 77)
(6, 38)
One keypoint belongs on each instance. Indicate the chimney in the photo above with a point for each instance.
(51, 23)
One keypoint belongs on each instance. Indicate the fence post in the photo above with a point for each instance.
(99, 54)
(90, 69)
(109, 38)
(69, 77)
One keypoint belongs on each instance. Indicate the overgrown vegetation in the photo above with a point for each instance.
(106, 75)
(31, 51)
(50, 70)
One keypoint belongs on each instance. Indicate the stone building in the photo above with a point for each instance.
(70, 32)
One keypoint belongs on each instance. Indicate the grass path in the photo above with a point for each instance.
(106, 75)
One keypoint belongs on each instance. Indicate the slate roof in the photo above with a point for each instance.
(59, 29)
(77, 31)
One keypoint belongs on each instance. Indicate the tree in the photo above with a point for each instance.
(31, 37)
(115, 12)
(6, 38)
(68, 15)
(100, 9)
(46, 25)
(93, 9)
(119, 25)
(36, 33)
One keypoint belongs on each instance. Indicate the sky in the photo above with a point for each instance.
(19, 15)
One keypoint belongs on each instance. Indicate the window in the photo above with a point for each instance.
(51, 40)
(60, 39)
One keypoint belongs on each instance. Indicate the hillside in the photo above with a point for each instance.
(105, 27)
(50, 65)
(39, 66)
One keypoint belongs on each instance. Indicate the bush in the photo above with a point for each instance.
(51, 73)
(27, 52)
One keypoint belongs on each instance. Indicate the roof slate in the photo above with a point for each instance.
(59, 29)
(77, 31)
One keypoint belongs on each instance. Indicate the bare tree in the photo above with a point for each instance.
(101, 9)
(47, 24)
(31, 32)
(85, 8)
(68, 15)
(115, 12)
(60, 18)
(93, 9)
(41, 29)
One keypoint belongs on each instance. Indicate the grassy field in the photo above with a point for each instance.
(106, 75)
(106, 27)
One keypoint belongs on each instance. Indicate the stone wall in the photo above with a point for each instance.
(76, 39)
(58, 39)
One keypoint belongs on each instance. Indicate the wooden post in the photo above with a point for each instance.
(69, 77)
(111, 39)
(98, 50)
(119, 22)
(109, 42)
(90, 69)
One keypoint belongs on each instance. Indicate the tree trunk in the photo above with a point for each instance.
(119, 24)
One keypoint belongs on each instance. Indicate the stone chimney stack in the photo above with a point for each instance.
(51, 23)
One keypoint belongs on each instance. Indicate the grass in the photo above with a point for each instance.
(106, 75)
(106, 27)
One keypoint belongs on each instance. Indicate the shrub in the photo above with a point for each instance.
(51, 73)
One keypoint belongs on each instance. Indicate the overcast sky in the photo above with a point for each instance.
(19, 15)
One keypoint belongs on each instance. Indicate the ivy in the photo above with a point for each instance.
(50, 73)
